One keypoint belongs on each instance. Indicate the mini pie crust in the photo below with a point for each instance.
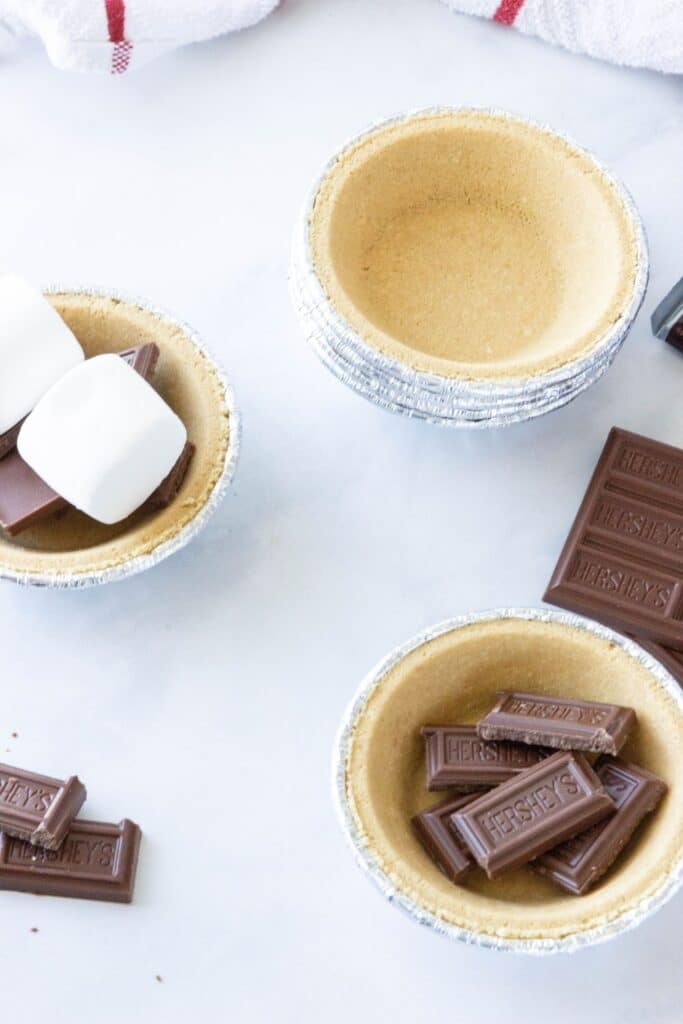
(453, 679)
(186, 379)
(473, 245)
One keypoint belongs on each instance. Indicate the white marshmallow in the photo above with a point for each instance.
(102, 438)
(36, 348)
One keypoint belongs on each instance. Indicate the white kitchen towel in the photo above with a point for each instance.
(642, 33)
(116, 35)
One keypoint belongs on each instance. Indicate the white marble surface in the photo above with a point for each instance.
(210, 689)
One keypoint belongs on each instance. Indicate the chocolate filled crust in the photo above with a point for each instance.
(454, 676)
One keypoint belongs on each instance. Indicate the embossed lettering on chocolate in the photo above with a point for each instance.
(622, 562)
(38, 808)
(458, 759)
(579, 863)
(522, 818)
(97, 861)
(558, 722)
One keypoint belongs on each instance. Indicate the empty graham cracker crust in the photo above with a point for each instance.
(473, 245)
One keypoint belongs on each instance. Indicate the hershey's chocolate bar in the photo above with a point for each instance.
(522, 818)
(38, 808)
(579, 863)
(437, 834)
(622, 562)
(558, 722)
(457, 758)
(25, 499)
(96, 861)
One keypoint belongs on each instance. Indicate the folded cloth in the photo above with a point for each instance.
(642, 33)
(116, 35)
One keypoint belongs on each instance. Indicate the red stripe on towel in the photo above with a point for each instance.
(116, 23)
(507, 11)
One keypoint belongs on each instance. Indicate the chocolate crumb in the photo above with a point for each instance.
(158, 977)
(34, 930)
(14, 735)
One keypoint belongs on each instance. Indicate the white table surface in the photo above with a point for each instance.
(202, 698)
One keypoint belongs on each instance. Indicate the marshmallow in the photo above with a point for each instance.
(102, 438)
(36, 348)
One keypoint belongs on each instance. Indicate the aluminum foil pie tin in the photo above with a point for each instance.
(367, 858)
(397, 386)
(130, 566)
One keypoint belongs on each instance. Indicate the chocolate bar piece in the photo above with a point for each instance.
(622, 562)
(96, 861)
(143, 359)
(36, 807)
(457, 758)
(578, 863)
(437, 834)
(25, 499)
(558, 722)
(170, 485)
(537, 810)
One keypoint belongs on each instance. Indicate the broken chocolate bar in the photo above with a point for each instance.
(96, 861)
(622, 562)
(558, 722)
(457, 758)
(579, 863)
(522, 818)
(36, 807)
(440, 839)
(25, 499)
